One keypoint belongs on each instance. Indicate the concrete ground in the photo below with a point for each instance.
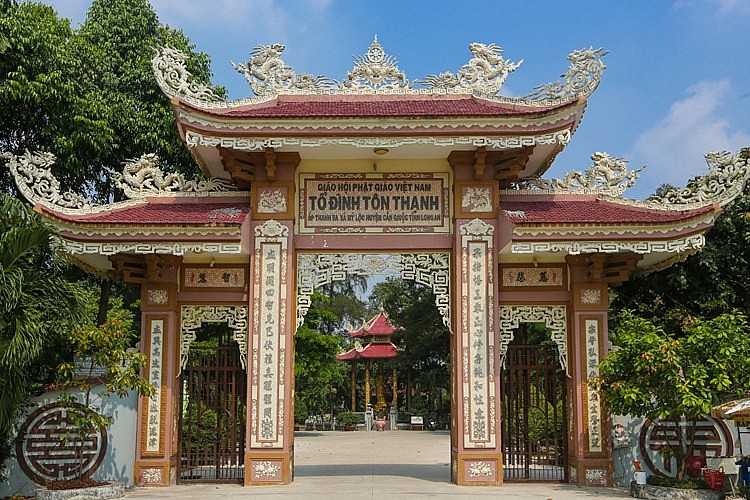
(363, 465)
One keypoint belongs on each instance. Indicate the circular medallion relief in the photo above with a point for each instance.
(47, 451)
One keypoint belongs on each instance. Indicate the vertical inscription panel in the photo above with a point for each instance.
(270, 302)
(153, 436)
(477, 350)
(591, 369)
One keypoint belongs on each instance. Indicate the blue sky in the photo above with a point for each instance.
(677, 83)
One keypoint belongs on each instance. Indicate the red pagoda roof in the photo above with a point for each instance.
(379, 325)
(591, 211)
(174, 211)
(370, 351)
(386, 105)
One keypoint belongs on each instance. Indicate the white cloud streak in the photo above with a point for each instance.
(673, 148)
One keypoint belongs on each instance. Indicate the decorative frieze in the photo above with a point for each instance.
(176, 248)
(270, 303)
(193, 139)
(687, 244)
(477, 349)
(193, 316)
(554, 317)
(430, 269)
(593, 404)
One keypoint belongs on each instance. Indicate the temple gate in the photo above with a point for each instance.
(312, 179)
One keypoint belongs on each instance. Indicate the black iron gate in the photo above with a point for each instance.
(212, 425)
(533, 395)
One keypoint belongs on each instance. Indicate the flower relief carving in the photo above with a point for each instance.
(272, 229)
(158, 296)
(151, 475)
(271, 201)
(591, 296)
(485, 72)
(477, 199)
(596, 476)
(608, 175)
(266, 469)
(174, 79)
(480, 469)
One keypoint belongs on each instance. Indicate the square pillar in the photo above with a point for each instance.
(589, 457)
(476, 457)
(269, 451)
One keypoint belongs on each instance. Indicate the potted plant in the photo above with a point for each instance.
(103, 357)
(348, 420)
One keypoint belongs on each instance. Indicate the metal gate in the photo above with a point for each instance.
(212, 424)
(533, 423)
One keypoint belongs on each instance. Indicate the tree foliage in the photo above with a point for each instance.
(36, 302)
(658, 375)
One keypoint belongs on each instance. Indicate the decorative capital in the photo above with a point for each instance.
(477, 227)
(272, 229)
(174, 79)
(608, 175)
(484, 73)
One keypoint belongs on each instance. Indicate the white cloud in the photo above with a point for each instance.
(673, 148)
(721, 7)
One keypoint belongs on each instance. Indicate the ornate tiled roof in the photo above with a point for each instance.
(590, 211)
(379, 325)
(388, 105)
(177, 211)
(370, 351)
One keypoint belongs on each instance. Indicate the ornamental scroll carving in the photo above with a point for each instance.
(377, 72)
(174, 79)
(555, 317)
(194, 316)
(140, 178)
(608, 175)
(485, 72)
(725, 181)
(581, 79)
(430, 269)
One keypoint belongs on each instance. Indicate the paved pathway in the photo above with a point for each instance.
(370, 465)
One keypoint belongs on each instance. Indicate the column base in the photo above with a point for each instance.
(268, 467)
(481, 468)
(155, 473)
(590, 472)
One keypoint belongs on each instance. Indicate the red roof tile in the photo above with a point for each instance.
(178, 212)
(370, 351)
(376, 106)
(590, 212)
(378, 325)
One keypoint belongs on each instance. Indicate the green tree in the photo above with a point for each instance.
(49, 97)
(36, 302)
(423, 341)
(316, 371)
(673, 378)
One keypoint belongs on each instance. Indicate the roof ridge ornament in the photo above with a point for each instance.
(581, 79)
(725, 180)
(142, 177)
(267, 73)
(608, 175)
(375, 70)
(174, 79)
(485, 72)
